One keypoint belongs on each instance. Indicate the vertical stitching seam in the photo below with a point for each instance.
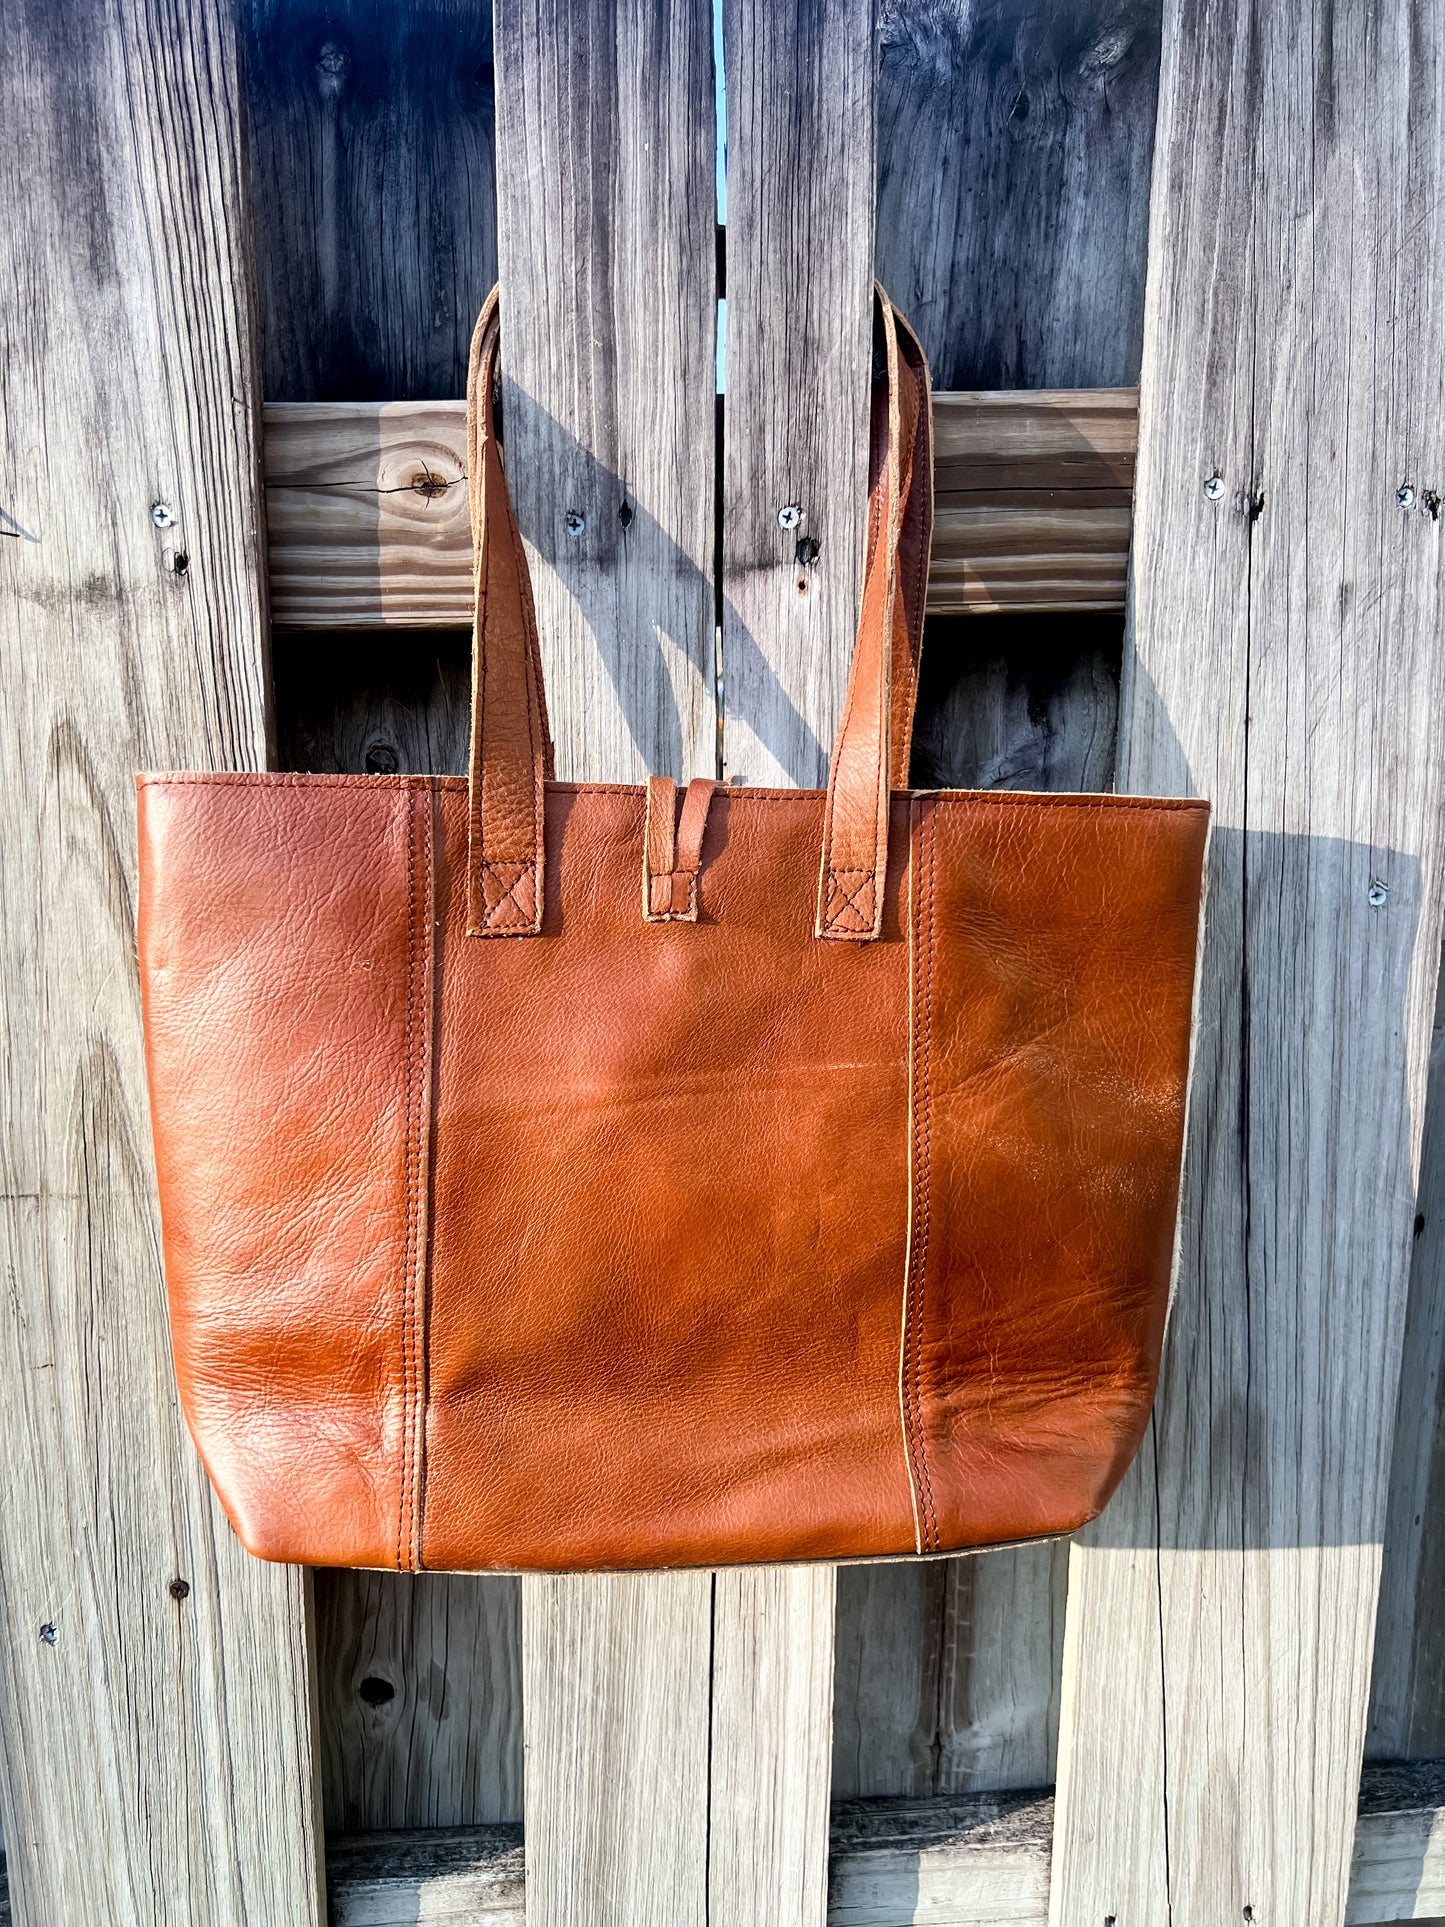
(929, 954)
(921, 1139)
(424, 1145)
(915, 821)
(408, 1233)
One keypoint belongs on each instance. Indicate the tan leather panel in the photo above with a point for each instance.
(1054, 958)
(278, 951)
(671, 1210)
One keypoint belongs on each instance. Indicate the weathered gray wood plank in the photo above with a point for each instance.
(608, 256)
(1014, 149)
(1287, 661)
(608, 265)
(1013, 185)
(976, 1862)
(373, 192)
(1407, 1681)
(156, 1761)
(421, 1700)
(800, 85)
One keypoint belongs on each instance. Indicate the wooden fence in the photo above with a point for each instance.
(242, 255)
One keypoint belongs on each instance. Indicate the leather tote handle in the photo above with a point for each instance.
(511, 752)
(875, 737)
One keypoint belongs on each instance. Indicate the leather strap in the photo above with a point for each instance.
(870, 756)
(673, 850)
(511, 752)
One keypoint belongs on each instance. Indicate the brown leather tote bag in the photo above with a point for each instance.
(555, 1178)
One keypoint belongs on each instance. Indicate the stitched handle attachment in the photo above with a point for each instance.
(511, 752)
(672, 850)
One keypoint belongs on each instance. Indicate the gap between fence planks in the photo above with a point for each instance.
(366, 507)
(1287, 660)
(156, 1762)
(976, 1862)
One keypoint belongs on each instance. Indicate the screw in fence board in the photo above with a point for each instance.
(157, 1750)
(606, 222)
(1287, 659)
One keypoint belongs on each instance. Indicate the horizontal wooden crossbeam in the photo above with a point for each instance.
(366, 507)
(972, 1862)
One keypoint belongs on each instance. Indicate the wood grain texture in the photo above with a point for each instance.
(608, 260)
(156, 1760)
(368, 521)
(367, 525)
(947, 1674)
(976, 1862)
(800, 116)
(372, 169)
(772, 1698)
(616, 1673)
(1407, 1680)
(1013, 185)
(421, 1696)
(1287, 660)
(373, 702)
(372, 184)
(608, 252)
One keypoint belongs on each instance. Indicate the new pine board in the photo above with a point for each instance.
(156, 1759)
(1287, 661)
(368, 526)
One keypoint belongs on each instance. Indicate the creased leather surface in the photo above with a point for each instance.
(669, 1173)
(1053, 965)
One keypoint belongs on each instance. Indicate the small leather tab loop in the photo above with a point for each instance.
(511, 754)
(870, 756)
(672, 850)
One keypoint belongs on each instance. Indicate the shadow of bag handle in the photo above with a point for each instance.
(511, 751)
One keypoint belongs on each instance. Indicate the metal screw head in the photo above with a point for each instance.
(48, 1633)
(1377, 893)
(163, 515)
(575, 522)
(789, 515)
(1214, 488)
(179, 1589)
(1405, 496)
